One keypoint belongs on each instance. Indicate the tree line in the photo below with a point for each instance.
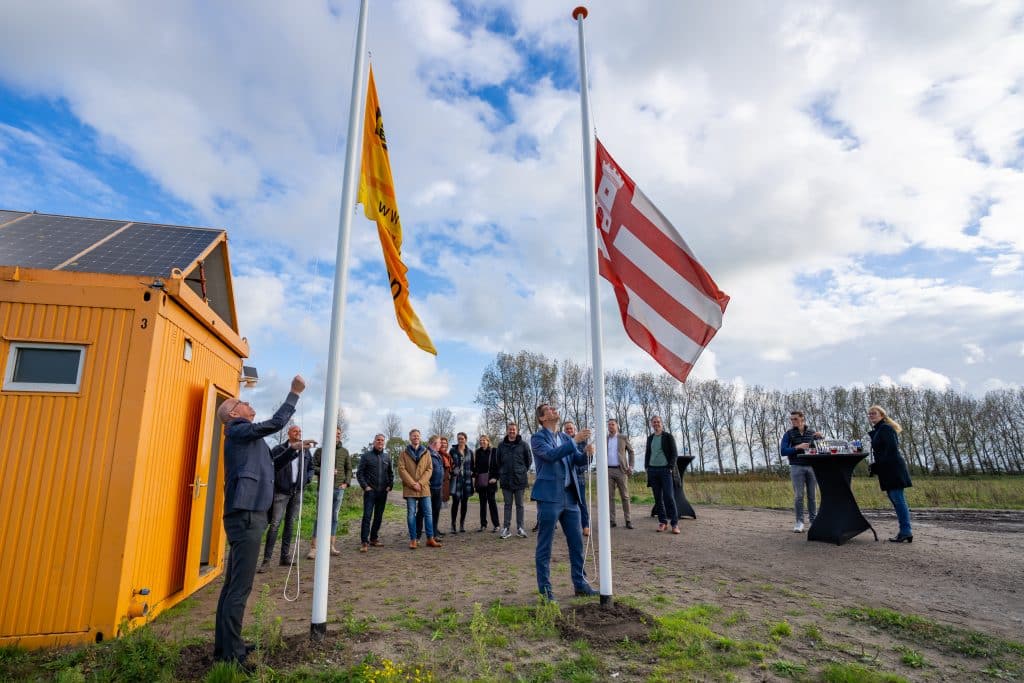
(734, 428)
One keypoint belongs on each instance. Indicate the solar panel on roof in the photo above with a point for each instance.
(7, 216)
(43, 241)
(146, 249)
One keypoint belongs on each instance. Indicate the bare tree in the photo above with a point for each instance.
(442, 423)
(391, 426)
(619, 398)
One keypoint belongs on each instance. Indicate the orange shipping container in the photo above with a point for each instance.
(117, 343)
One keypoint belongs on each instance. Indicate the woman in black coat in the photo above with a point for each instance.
(485, 463)
(890, 468)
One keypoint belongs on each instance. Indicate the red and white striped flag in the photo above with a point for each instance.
(669, 304)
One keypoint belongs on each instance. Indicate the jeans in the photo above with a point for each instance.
(664, 494)
(435, 508)
(488, 502)
(414, 506)
(508, 495)
(286, 506)
(244, 529)
(584, 509)
(567, 512)
(373, 506)
(803, 477)
(899, 501)
(339, 495)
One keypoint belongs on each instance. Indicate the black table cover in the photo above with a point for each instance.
(839, 518)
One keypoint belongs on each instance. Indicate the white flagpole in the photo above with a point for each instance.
(604, 548)
(318, 625)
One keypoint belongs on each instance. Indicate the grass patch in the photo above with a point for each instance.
(853, 673)
(788, 669)
(923, 631)
(584, 668)
(911, 658)
(685, 644)
(780, 630)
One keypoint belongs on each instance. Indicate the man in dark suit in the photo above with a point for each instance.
(558, 494)
(660, 461)
(248, 494)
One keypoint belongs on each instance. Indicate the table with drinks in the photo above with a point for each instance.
(839, 517)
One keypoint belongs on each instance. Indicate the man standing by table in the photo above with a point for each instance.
(795, 444)
(248, 494)
(660, 462)
(620, 466)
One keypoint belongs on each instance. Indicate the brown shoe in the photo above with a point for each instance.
(433, 543)
(662, 527)
(412, 544)
(364, 547)
(586, 531)
(675, 530)
(311, 555)
(376, 543)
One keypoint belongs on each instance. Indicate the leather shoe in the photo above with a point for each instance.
(900, 538)
(433, 543)
(364, 547)
(376, 543)
(629, 525)
(412, 544)
(585, 590)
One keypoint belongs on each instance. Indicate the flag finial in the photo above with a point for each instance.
(579, 11)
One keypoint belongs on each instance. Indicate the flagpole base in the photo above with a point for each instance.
(606, 601)
(317, 632)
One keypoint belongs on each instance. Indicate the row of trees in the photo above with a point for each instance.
(731, 428)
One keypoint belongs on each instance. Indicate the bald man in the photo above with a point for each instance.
(248, 494)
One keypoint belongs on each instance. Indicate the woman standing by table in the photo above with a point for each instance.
(890, 468)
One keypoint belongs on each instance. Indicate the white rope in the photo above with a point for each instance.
(294, 564)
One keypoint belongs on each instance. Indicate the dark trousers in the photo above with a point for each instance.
(244, 530)
(460, 504)
(435, 509)
(584, 508)
(373, 507)
(664, 494)
(510, 495)
(286, 506)
(488, 502)
(566, 512)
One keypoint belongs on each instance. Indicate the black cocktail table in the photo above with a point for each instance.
(839, 518)
(683, 506)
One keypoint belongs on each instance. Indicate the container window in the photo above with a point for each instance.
(44, 367)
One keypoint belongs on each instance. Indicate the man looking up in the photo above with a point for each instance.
(248, 494)
(557, 491)
(795, 444)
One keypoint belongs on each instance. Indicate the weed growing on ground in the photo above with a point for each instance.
(390, 672)
(852, 673)
(780, 630)
(1006, 655)
(911, 658)
(222, 672)
(585, 668)
(685, 643)
(788, 669)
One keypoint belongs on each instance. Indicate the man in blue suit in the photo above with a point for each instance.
(558, 493)
(248, 494)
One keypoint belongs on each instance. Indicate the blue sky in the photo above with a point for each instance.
(850, 173)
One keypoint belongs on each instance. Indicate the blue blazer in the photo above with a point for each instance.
(552, 463)
(249, 469)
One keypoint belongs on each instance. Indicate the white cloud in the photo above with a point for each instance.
(975, 354)
(923, 378)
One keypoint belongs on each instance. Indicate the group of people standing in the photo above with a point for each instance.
(887, 464)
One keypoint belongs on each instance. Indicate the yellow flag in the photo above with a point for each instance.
(377, 195)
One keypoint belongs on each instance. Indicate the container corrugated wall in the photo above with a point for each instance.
(57, 453)
(168, 454)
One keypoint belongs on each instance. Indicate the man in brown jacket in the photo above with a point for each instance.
(415, 467)
(341, 479)
(620, 465)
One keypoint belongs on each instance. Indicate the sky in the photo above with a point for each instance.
(850, 173)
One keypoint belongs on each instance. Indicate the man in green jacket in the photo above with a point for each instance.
(342, 477)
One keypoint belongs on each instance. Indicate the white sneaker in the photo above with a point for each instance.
(521, 532)
(799, 528)
(505, 533)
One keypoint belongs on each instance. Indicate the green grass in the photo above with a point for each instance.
(852, 673)
(685, 645)
(775, 491)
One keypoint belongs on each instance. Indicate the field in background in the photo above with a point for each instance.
(775, 491)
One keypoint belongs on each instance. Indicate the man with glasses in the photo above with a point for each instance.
(795, 444)
(558, 494)
(248, 494)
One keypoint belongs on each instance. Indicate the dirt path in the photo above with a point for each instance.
(963, 569)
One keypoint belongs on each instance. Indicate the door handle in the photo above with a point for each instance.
(195, 486)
